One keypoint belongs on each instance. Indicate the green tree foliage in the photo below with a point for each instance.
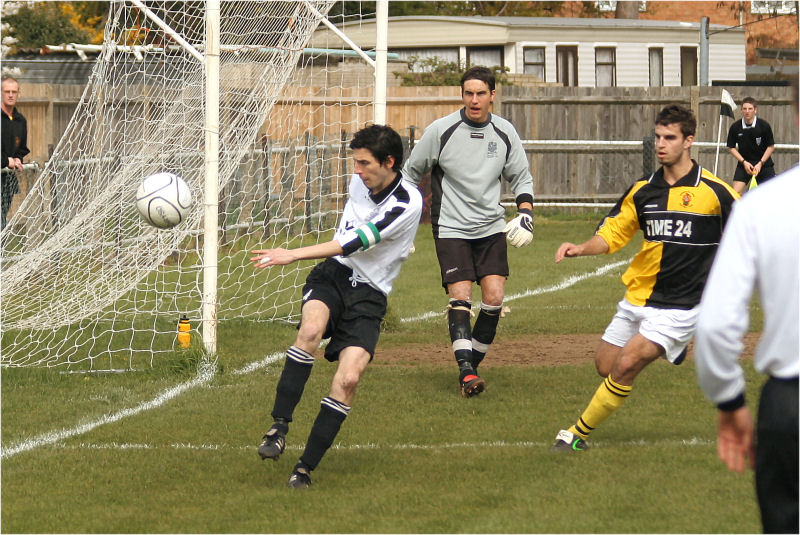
(44, 23)
(434, 71)
(89, 16)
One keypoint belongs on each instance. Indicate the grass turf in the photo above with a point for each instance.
(412, 457)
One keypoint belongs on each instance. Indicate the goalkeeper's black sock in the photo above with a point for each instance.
(483, 332)
(458, 315)
(329, 420)
(295, 374)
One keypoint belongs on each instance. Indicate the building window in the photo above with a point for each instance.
(533, 61)
(656, 67)
(773, 7)
(605, 67)
(567, 65)
(484, 56)
(688, 65)
(611, 5)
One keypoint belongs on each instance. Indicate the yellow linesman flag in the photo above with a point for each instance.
(753, 182)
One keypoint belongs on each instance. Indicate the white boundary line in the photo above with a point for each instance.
(693, 441)
(204, 376)
(206, 373)
(564, 284)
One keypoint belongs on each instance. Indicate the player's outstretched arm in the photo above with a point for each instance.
(280, 257)
(593, 246)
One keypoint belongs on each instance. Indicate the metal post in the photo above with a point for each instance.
(211, 193)
(703, 52)
(381, 46)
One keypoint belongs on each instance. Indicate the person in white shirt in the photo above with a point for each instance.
(760, 250)
(344, 297)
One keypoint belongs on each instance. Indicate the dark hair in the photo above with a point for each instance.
(382, 141)
(483, 74)
(750, 100)
(675, 113)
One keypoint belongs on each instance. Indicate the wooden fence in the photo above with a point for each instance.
(593, 170)
(627, 114)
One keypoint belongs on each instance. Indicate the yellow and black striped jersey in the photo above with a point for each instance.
(682, 226)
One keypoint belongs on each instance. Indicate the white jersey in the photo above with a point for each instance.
(760, 250)
(376, 232)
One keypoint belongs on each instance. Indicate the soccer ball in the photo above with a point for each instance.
(163, 199)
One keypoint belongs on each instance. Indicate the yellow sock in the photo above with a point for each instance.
(609, 397)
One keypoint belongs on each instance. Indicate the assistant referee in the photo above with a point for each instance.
(750, 141)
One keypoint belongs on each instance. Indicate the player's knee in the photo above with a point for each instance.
(493, 298)
(348, 381)
(603, 368)
(628, 367)
(309, 335)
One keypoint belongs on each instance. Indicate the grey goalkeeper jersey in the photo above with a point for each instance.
(467, 162)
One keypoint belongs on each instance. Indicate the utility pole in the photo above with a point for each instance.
(703, 52)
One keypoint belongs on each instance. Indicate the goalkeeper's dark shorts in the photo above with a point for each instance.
(471, 260)
(356, 308)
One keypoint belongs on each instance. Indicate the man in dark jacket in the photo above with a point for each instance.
(15, 143)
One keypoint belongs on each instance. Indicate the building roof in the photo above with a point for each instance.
(562, 22)
(446, 31)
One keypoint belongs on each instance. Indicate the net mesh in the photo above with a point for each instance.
(86, 284)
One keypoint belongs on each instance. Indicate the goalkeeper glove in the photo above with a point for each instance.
(519, 231)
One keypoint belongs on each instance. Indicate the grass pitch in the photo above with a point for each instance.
(96, 453)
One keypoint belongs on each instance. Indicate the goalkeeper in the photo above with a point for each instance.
(344, 297)
(468, 153)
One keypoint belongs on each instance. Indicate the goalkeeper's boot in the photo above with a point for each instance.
(299, 478)
(471, 383)
(569, 441)
(274, 441)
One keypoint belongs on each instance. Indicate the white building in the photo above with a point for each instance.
(587, 52)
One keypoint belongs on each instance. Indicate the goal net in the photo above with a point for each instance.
(86, 284)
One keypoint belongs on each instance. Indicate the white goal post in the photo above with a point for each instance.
(228, 95)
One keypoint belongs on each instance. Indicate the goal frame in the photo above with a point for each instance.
(210, 58)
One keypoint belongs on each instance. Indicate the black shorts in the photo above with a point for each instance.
(356, 309)
(740, 175)
(471, 260)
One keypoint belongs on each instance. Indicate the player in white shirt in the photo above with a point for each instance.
(760, 250)
(344, 297)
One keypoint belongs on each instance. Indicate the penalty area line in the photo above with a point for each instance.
(564, 284)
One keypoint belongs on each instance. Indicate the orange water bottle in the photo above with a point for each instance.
(184, 334)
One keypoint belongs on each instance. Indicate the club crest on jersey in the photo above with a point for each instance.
(758, 141)
(686, 198)
(492, 149)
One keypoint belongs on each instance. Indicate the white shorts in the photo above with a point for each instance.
(670, 328)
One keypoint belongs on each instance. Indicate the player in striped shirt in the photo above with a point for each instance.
(344, 297)
(681, 209)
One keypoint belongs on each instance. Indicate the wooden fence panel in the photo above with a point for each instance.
(538, 113)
